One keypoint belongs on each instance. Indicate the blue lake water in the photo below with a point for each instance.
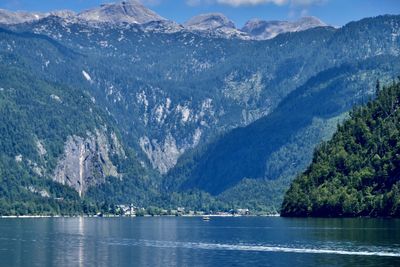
(190, 241)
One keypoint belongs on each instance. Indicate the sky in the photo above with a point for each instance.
(332, 12)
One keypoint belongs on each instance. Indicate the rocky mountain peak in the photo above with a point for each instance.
(122, 12)
(210, 21)
(134, 12)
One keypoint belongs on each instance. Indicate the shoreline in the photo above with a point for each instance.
(118, 216)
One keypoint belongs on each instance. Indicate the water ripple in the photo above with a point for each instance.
(373, 251)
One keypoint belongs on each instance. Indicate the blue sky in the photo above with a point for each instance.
(333, 12)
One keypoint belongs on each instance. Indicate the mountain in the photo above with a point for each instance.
(262, 30)
(36, 175)
(171, 96)
(255, 29)
(155, 99)
(357, 172)
(209, 22)
(269, 152)
(9, 17)
(131, 11)
(57, 143)
(273, 149)
(215, 23)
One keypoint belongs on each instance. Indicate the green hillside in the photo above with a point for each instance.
(274, 149)
(357, 173)
(36, 118)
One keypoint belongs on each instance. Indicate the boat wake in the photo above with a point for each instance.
(260, 248)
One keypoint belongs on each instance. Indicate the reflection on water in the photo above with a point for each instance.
(81, 246)
(170, 241)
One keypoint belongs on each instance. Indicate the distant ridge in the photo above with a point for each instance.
(133, 12)
(261, 29)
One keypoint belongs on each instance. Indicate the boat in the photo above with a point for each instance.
(206, 218)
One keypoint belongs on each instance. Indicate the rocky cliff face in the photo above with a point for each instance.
(210, 21)
(173, 126)
(126, 11)
(86, 161)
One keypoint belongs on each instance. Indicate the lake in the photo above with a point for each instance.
(190, 241)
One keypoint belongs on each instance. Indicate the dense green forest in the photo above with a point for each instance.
(357, 173)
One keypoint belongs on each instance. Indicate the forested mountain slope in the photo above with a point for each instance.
(173, 91)
(273, 149)
(56, 144)
(357, 172)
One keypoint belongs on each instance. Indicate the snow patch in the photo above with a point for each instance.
(168, 103)
(142, 99)
(18, 158)
(86, 75)
(56, 98)
(196, 137)
(185, 113)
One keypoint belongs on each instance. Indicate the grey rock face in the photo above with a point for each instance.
(210, 21)
(162, 156)
(172, 126)
(126, 11)
(85, 162)
(261, 29)
(214, 23)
